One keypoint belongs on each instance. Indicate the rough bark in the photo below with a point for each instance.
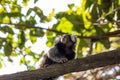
(82, 64)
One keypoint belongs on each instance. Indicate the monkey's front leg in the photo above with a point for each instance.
(56, 56)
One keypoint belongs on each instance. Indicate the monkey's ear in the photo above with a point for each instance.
(57, 40)
(64, 39)
(73, 38)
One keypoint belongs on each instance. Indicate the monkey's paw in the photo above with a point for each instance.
(63, 60)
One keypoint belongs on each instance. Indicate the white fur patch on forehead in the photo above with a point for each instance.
(61, 39)
(73, 38)
(64, 39)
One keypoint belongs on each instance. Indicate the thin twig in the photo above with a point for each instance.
(112, 11)
(95, 38)
(91, 47)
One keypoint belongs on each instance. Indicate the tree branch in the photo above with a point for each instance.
(98, 37)
(90, 62)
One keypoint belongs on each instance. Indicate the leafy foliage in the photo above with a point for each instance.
(92, 20)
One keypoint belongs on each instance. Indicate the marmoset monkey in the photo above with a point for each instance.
(62, 51)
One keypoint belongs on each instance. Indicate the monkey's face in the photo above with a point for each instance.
(69, 41)
(70, 45)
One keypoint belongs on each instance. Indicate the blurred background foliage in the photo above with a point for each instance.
(95, 22)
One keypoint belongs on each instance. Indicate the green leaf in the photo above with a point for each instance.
(21, 39)
(6, 19)
(0, 65)
(78, 49)
(22, 60)
(87, 21)
(49, 44)
(51, 15)
(71, 6)
(99, 30)
(14, 54)
(39, 12)
(15, 8)
(15, 14)
(65, 26)
(32, 20)
(94, 13)
(25, 2)
(118, 2)
(32, 67)
(1, 43)
(33, 39)
(88, 3)
(106, 5)
(98, 47)
(8, 49)
(27, 62)
(99, 2)
(29, 11)
(10, 60)
(105, 42)
(50, 39)
(35, 1)
(6, 29)
(107, 27)
(36, 32)
(84, 43)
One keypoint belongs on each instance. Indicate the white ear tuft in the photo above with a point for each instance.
(73, 38)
